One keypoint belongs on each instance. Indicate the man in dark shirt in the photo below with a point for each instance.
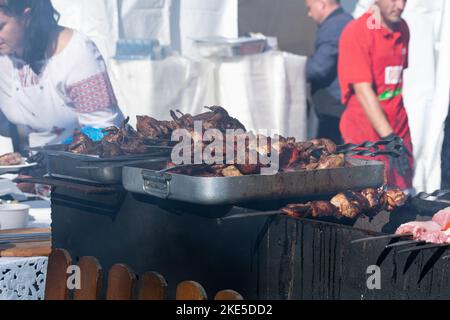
(321, 67)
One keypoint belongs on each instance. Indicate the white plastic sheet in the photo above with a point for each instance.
(155, 87)
(205, 18)
(145, 19)
(172, 22)
(435, 116)
(98, 19)
(266, 91)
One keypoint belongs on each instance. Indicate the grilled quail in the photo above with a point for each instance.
(331, 161)
(350, 204)
(374, 197)
(393, 199)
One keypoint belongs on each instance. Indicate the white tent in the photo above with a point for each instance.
(272, 83)
(172, 22)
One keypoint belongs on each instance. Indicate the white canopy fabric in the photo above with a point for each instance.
(98, 19)
(172, 22)
(427, 84)
(265, 91)
(206, 18)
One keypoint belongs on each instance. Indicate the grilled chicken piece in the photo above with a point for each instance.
(314, 209)
(249, 169)
(374, 197)
(11, 159)
(303, 146)
(220, 119)
(231, 171)
(151, 128)
(350, 204)
(312, 166)
(186, 121)
(289, 156)
(332, 161)
(321, 209)
(134, 146)
(393, 199)
(110, 150)
(326, 144)
(81, 143)
(113, 135)
(296, 210)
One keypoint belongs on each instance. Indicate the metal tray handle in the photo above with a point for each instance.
(157, 184)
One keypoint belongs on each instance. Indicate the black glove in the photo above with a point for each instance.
(399, 159)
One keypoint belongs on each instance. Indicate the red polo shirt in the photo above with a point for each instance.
(373, 55)
(376, 55)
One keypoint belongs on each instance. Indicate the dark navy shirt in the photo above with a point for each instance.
(321, 67)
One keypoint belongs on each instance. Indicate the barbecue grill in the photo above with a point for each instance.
(262, 254)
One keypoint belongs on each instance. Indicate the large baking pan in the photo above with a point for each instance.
(92, 169)
(236, 190)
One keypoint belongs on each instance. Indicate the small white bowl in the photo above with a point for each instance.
(14, 216)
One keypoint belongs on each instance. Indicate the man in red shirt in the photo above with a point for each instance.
(373, 52)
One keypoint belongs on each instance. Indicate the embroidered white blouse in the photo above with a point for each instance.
(72, 91)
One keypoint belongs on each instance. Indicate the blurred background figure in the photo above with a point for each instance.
(373, 52)
(321, 67)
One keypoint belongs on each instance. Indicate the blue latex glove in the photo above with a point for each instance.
(95, 134)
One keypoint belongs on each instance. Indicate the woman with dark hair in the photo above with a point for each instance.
(52, 79)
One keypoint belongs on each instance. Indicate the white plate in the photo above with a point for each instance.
(15, 168)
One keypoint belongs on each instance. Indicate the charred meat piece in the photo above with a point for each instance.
(350, 204)
(393, 199)
(314, 209)
(148, 127)
(289, 156)
(220, 119)
(134, 146)
(322, 209)
(81, 143)
(231, 171)
(303, 146)
(296, 210)
(374, 197)
(113, 135)
(312, 166)
(186, 121)
(325, 144)
(249, 169)
(332, 161)
(11, 159)
(110, 150)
